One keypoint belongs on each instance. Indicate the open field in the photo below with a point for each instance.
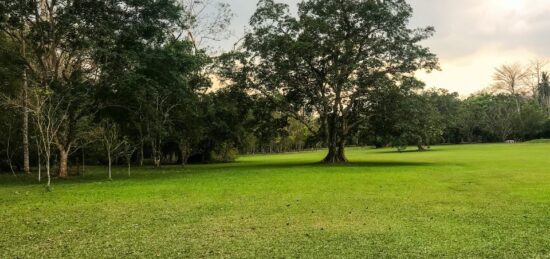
(454, 201)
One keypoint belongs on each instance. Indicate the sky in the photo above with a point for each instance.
(472, 36)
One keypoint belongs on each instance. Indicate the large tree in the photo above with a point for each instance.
(69, 45)
(325, 61)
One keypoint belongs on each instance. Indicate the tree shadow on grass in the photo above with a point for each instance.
(143, 174)
(394, 151)
(365, 164)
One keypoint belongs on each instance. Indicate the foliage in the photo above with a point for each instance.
(325, 60)
(224, 153)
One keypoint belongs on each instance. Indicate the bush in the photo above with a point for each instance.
(224, 153)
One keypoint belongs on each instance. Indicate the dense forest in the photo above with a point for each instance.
(135, 83)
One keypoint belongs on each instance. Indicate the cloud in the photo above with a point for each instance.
(472, 38)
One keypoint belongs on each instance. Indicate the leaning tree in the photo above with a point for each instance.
(325, 61)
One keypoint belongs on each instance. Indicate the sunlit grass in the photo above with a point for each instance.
(454, 201)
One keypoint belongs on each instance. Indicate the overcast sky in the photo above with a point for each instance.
(472, 36)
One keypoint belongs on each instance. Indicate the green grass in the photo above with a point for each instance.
(539, 141)
(454, 201)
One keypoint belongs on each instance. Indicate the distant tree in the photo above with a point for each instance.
(534, 75)
(471, 118)
(325, 61)
(127, 150)
(544, 92)
(205, 21)
(109, 135)
(421, 123)
(447, 105)
(8, 144)
(510, 79)
(14, 90)
(226, 114)
(49, 116)
(532, 121)
(499, 116)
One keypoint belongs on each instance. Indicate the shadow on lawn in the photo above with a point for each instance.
(410, 151)
(141, 174)
(366, 164)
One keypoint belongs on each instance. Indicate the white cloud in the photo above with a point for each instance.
(473, 36)
(471, 73)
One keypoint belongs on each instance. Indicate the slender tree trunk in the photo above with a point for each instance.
(141, 155)
(63, 163)
(39, 169)
(39, 160)
(8, 156)
(48, 173)
(157, 154)
(184, 153)
(26, 159)
(110, 164)
(129, 167)
(83, 161)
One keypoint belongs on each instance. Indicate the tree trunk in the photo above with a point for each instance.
(48, 173)
(141, 155)
(184, 154)
(26, 159)
(341, 151)
(83, 161)
(336, 142)
(63, 163)
(422, 147)
(157, 153)
(336, 152)
(110, 164)
(39, 169)
(26, 155)
(336, 155)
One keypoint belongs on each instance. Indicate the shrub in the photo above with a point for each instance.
(224, 153)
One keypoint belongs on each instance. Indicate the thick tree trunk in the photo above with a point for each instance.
(336, 155)
(336, 148)
(335, 138)
(341, 152)
(63, 163)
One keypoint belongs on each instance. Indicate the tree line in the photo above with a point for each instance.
(133, 82)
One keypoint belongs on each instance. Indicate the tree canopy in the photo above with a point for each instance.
(331, 59)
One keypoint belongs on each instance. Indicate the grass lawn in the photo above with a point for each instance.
(454, 201)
